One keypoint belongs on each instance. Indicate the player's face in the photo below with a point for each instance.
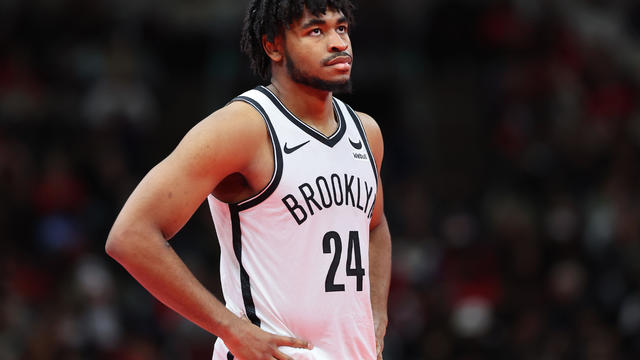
(318, 52)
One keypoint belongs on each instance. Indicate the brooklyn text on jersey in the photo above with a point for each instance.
(323, 193)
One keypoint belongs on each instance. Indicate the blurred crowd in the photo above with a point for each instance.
(512, 132)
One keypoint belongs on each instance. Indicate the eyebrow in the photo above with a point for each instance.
(316, 21)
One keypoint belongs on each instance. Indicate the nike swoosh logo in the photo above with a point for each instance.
(356, 145)
(288, 150)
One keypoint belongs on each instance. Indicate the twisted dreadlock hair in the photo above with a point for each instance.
(270, 17)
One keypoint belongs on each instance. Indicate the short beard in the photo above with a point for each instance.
(300, 77)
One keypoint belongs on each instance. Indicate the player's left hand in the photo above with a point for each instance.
(380, 325)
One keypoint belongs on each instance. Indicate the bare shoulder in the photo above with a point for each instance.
(229, 138)
(374, 135)
(236, 126)
(236, 118)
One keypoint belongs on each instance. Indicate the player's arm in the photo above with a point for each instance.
(222, 144)
(379, 241)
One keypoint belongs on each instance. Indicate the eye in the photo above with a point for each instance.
(343, 29)
(315, 31)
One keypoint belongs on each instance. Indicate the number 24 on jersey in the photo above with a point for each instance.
(354, 260)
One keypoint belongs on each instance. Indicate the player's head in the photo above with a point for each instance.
(267, 22)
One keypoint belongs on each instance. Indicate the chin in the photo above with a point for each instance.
(342, 87)
(341, 79)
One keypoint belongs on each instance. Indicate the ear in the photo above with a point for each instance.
(273, 48)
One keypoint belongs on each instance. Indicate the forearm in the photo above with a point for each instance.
(147, 256)
(380, 270)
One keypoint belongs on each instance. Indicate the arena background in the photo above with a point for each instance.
(511, 175)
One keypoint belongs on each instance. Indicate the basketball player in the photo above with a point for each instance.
(291, 175)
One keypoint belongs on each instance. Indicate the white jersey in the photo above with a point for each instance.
(295, 257)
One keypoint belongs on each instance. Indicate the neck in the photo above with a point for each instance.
(310, 105)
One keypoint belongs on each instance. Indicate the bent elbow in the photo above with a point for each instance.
(120, 243)
(126, 243)
(113, 246)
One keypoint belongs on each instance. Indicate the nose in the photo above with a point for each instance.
(338, 42)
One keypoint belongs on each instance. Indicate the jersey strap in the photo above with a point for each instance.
(363, 135)
(277, 161)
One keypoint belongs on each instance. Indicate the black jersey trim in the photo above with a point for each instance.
(363, 135)
(245, 281)
(329, 141)
(277, 159)
(229, 355)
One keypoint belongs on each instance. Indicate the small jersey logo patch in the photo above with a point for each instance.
(359, 156)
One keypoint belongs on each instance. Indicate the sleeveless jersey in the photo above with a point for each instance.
(295, 257)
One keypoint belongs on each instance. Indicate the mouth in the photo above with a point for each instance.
(340, 60)
(341, 63)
